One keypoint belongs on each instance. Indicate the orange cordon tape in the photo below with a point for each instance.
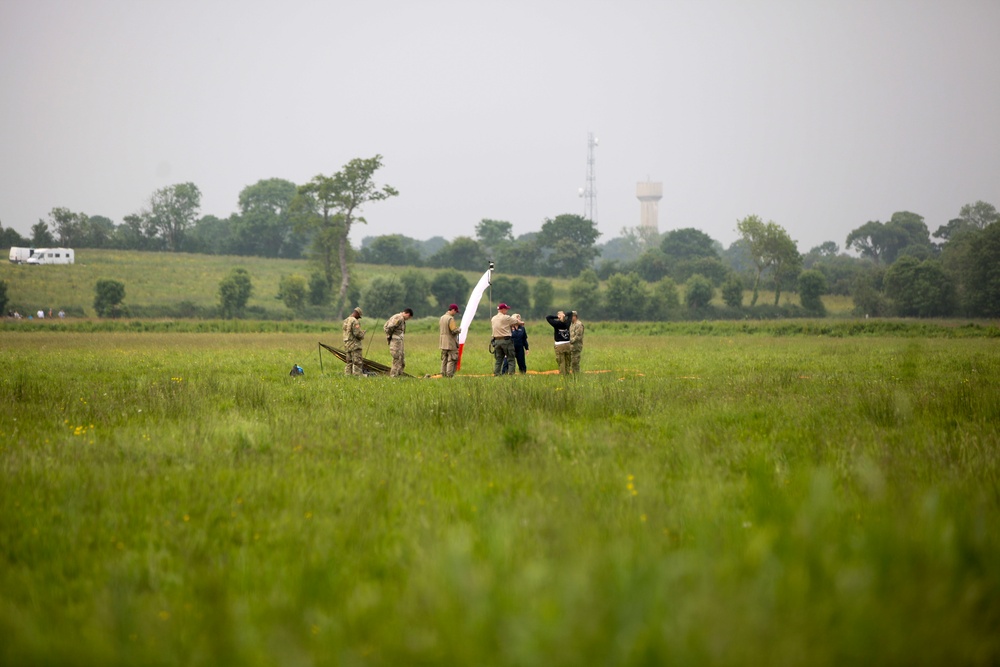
(551, 372)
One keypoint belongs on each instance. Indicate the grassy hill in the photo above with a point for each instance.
(154, 279)
(172, 284)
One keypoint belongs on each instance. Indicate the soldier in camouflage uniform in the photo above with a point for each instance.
(394, 328)
(353, 335)
(448, 342)
(575, 340)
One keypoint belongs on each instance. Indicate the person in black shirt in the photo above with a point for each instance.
(519, 337)
(560, 324)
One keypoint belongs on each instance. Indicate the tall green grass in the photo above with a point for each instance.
(178, 499)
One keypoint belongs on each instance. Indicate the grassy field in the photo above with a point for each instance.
(168, 279)
(177, 499)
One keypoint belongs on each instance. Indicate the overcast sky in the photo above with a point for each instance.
(817, 114)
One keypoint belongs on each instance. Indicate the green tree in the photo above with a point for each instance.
(866, 292)
(108, 297)
(570, 242)
(812, 286)
(712, 268)
(698, 292)
(293, 290)
(883, 243)
(234, 292)
(585, 292)
(98, 232)
(493, 235)
(417, 290)
(211, 236)
(41, 237)
(9, 238)
(826, 249)
(463, 254)
(732, 291)
(622, 249)
(771, 248)
(70, 227)
(543, 295)
(384, 297)
(134, 234)
(786, 262)
(664, 300)
(520, 257)
(264, 226)
(4, 299)
(514, 291)
(874, 241)
(172, 210)
(391, 250)
(971, 217)
(450, 286)
(980, 271)
(652, 265)
(625, 297)
(687, 244)
(919, 288)
(319, 289)
(338, 200)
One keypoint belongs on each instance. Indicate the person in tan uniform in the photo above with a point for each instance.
(575, 340)
(449, 341)
(503, 346)
(353, 335)
(394, 328)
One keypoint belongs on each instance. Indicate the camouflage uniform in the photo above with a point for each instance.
(448, 343)
(394, 328)
(576, 343)
(353, 335)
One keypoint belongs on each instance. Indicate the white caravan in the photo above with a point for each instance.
(52, 256)
(19, 255)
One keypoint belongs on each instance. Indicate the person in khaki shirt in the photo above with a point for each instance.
(353, 335)
(503, 346)
(449, 341)
(395, 328)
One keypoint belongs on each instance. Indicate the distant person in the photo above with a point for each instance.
(40, 314)
(503, 349)
(62, 314)
(560, 324)
(394, 329)
(448, 341)
(353, 336)
(519, 337)
(575, 340)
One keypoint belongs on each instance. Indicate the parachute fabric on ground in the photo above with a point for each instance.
(367, 365)
(470, 312)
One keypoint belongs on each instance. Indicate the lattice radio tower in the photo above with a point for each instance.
(589, 193)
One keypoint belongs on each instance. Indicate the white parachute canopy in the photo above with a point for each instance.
(470, 312)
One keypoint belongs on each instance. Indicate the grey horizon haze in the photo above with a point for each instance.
(818, 115)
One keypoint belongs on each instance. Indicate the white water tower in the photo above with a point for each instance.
(649, 194)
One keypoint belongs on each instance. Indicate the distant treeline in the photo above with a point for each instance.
(901, 268)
